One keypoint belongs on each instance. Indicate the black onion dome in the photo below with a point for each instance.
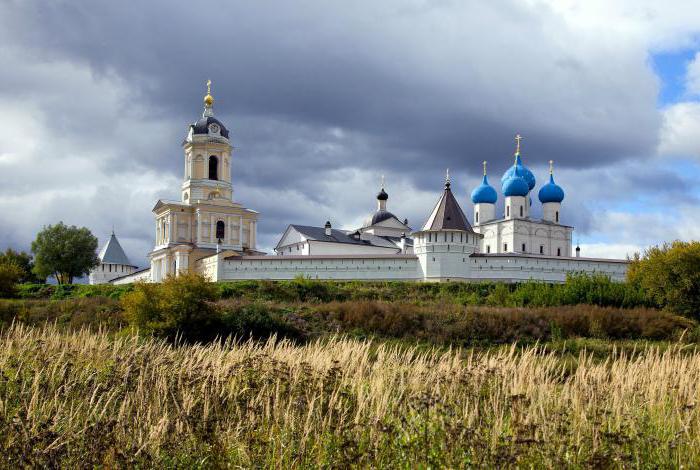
(202, 126)
(382, 196)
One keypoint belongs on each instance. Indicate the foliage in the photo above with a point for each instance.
(10, 275)
(22, 260)
(179, 305)
(64, 252)
(86, 313)
(470, 326)
(85, 400)
(669, 275)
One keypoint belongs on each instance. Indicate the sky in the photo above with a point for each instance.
(322, 98)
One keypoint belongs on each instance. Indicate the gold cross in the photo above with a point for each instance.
(551, 167)
(208, 87)
(518, 138)
(484, 167)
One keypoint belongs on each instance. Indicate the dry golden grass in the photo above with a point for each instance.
(84, 399)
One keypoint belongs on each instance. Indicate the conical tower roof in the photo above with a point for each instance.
(447, 215)
(112, 253)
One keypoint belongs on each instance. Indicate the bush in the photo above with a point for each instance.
(259, 321)
(180, 305)
(669, 276)
(10, 274)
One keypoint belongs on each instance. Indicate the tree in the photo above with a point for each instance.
(64, 252)
(24, 262)
(10, 274)
(669, 276)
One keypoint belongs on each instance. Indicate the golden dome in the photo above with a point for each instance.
(208, 99)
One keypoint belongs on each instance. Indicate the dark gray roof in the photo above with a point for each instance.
(447, 215)
(336, 236)
(353, 238)
(379, 216)
(112, 253)
(202, 126)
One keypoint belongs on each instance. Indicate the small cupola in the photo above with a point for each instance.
(484, 193)
(328, 228)
(551, 192)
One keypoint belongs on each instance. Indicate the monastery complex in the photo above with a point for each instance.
(208, 232)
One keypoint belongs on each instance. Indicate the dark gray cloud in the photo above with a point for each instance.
(320, 97)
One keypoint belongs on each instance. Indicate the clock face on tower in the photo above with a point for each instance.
(214, 128)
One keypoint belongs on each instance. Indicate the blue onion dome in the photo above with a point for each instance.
(484, 193)
(382, 196)
(551, 192)
(524, 172)
(515, 185)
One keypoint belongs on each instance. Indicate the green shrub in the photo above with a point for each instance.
(258, 320)
(179, 305)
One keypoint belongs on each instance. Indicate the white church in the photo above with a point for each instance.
(209, 232)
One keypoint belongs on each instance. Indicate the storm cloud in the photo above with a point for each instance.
(321, 99)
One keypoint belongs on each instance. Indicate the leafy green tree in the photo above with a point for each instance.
(669, 276)
(10, 275)
(22, 260)
(64, 252)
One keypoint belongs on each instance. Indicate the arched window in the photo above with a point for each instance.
(507, 211)
(557, 216)
(213, 168)
(558, 251)
(521, 211)
(477, 217)
(220, 226)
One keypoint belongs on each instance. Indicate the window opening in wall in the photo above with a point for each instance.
(476, 217)
(505, 247)
(488, 248)
(521, 211)
(213, 168)
(556, 216)
(541, 249)
(558, 251)
(220, 229)
(452, 237)
(507, 211)
(523, 247)
(460, 237)
(444, 236)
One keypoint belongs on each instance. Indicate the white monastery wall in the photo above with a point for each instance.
(453, 266)
(345, 267)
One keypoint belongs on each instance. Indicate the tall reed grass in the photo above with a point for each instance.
(86, 399)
